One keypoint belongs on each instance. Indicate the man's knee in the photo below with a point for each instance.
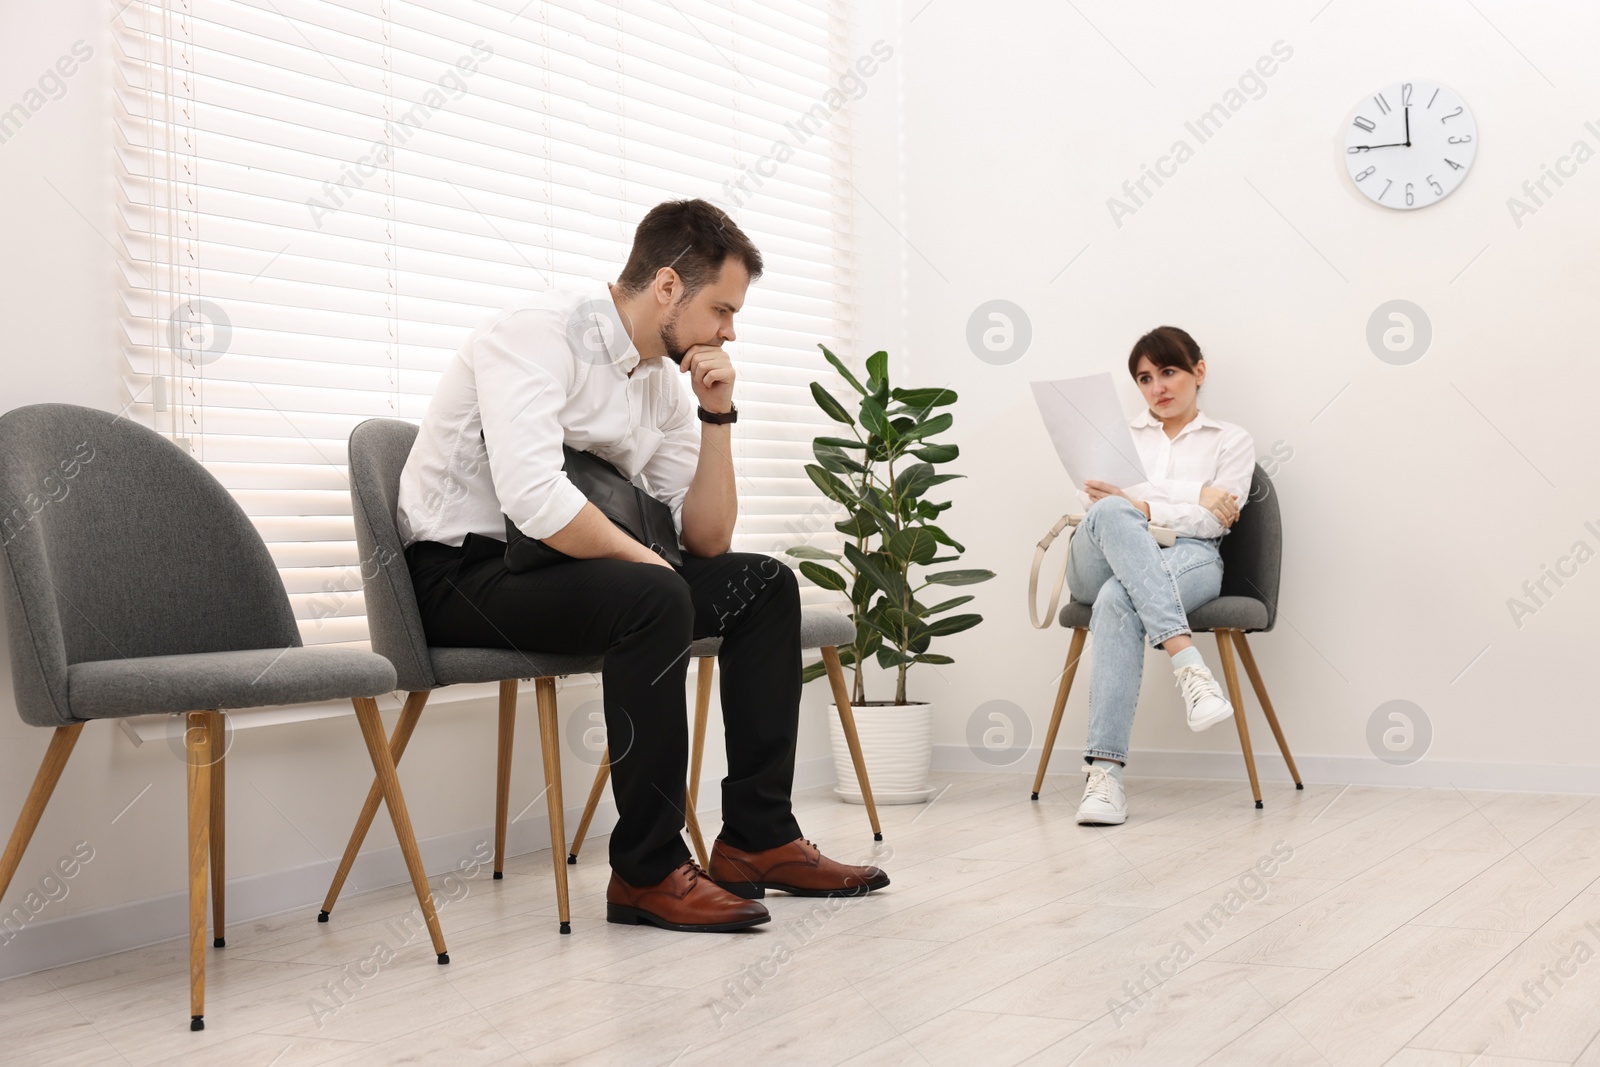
(1113, 608)
(1108, 506)
(664, 597)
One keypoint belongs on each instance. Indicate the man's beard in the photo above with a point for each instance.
(669, 341)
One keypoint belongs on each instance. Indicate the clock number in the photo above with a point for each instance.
(1453, 164)
(1365, 174)
(1365, 123)
(1450, 116)
(1434, 97)
(1438, 190)
(1409, 198)
(1386, 185)
(1383, 105)
(1405, 95)
(1463, 139)
(1357, 149)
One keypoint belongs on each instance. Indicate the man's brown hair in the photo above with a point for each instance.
(692, 237)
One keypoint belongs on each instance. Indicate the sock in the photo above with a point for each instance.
(1189, 657)
(1111, 765)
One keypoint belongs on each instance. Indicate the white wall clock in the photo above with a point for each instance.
(1410, 144)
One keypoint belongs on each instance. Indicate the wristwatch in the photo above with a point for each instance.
(719, 418)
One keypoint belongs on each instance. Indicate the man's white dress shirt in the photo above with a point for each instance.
(1205, 452)
(549, 370)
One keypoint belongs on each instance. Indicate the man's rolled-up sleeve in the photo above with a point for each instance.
(524, 371)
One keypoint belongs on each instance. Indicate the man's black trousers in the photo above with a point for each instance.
(642, 617)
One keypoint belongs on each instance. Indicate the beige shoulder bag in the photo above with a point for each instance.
(1164, 537)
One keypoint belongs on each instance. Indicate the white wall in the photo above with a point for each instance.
(294, 790)
(1416, 503)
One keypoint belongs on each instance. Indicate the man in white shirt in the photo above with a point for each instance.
(589, 369)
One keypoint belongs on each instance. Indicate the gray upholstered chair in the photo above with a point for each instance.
(1252, 557)
(378, 452)
(134, 585)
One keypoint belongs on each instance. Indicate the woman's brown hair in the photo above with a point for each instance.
(1166, 346)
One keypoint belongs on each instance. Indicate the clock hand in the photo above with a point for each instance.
(1369, 147)
(1408, 127)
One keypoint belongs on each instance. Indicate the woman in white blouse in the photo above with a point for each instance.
(1200, 472)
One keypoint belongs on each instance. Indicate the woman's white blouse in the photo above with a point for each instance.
(1205, 452)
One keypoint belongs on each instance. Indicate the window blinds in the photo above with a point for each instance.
(319, 201)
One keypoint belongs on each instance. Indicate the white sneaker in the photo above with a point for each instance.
(1104, 802)
(1203, 697)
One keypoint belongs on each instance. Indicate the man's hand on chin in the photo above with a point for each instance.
(711, 374)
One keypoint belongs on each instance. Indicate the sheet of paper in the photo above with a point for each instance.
(1089, 430)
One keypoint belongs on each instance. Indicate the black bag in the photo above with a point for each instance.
(634, 511)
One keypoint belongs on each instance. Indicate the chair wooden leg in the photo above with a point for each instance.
(702, 708)
(847, 719)
(1074, 652)
(1236, 697)
(601, 773)
(397, 747)
(197, 753)
(44, 783)
(393, 799)
(550, 747)
(1266, 705)
(502, 792)
(216, 754)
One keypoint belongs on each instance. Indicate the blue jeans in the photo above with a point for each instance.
(1135, 587)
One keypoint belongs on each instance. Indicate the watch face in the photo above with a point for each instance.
(1410, 144)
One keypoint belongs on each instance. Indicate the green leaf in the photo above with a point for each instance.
(889, 658)
(937, 424)
(858, 525)
(946, 605)
(873, 502)
(932, 657)
(813, 671)
(942, 559)
(807, 552)
(831, 486)
(915, 545)
(844, 371)
(839, 442)
(878, 366)
(876, 421)
(964, 577)
(874, 569)
(831, 407)
(923, 399)
(913, 482)
(833, 459)
(951, 624)
(823, 576)
(937, 453)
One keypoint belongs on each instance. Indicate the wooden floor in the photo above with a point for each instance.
(1403, 927)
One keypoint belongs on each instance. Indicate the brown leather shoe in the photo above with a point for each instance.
(684, 900)
(798, 867)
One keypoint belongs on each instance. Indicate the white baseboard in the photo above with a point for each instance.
(87, 935)
(1340, 770)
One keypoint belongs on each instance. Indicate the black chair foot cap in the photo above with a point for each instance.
(219, 942)
(1299, 785)
(572, 857)
(322, 916)
(498, 876)
(566, 928)
(444, 958)
(197, 1022)
(877, 837)
(1036, 796)
(1259, 805)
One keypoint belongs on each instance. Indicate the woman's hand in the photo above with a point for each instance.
(1224, 505)
(1099, 490)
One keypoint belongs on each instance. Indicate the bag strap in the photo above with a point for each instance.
(1038, 560)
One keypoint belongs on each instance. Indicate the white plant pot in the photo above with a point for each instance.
(897, 745)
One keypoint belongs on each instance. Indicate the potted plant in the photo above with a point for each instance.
(881, 475)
